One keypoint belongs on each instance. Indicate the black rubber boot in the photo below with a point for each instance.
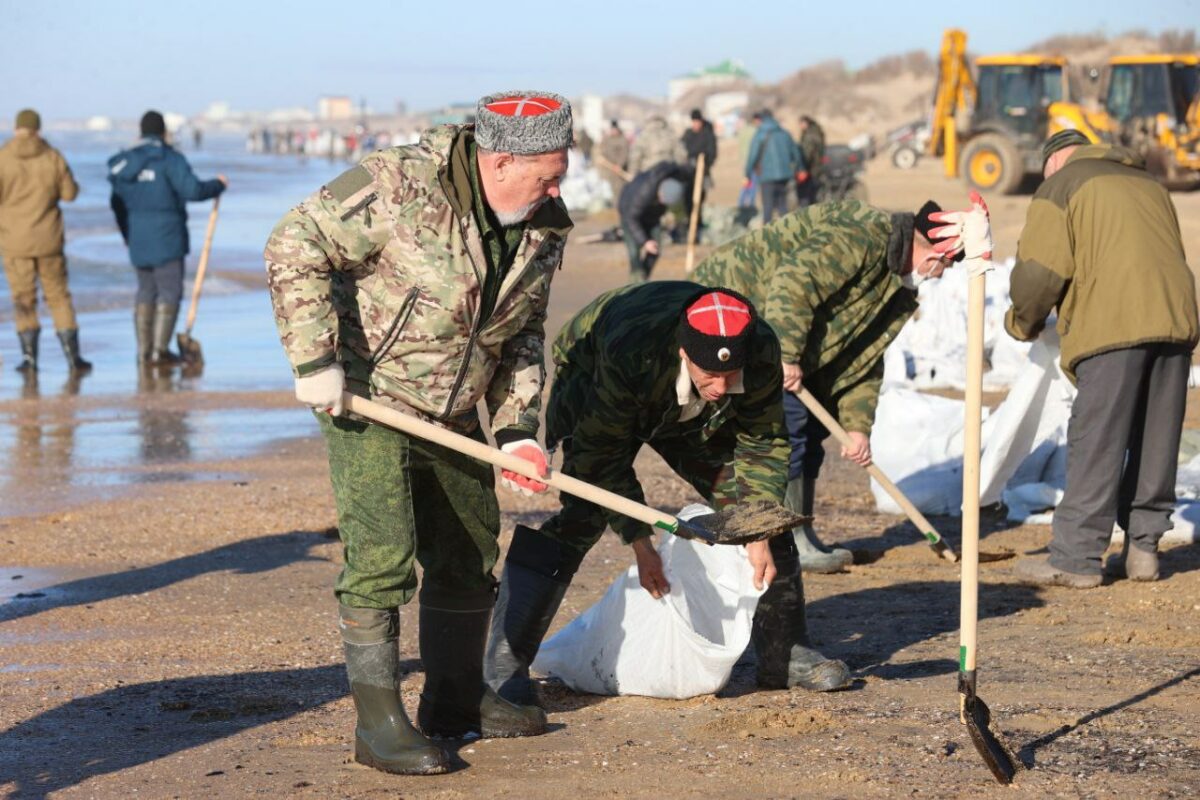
(455, 700)
(70, 346)
(383, 738)
(164, 328)
(814, 556)
(143, 327)
(29, 350)
(536, 575)
(780, 633)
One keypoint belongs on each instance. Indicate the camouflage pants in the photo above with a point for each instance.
(23, 275)
(400, 498)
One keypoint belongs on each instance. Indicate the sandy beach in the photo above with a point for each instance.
(168, 549)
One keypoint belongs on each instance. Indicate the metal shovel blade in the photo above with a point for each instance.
(189, 348)
(741, 524)
(988, 744)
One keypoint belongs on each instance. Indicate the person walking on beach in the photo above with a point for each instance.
(420, 279)
(34, 177)
(152, 184)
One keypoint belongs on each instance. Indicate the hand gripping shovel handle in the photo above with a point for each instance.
(924, 526)
(203, 266)
(467, 446)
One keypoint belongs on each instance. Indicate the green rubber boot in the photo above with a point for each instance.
(814, 556)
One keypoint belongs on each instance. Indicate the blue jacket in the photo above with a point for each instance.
(773, 154)
(151, 185)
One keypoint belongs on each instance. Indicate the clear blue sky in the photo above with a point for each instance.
(76, 58)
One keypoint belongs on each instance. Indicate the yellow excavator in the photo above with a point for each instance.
(990, 128)
(1153, 106)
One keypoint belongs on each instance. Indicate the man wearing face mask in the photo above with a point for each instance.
(693, 373)
(836, 281)
(420, 279)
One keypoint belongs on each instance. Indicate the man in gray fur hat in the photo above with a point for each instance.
(420, 279)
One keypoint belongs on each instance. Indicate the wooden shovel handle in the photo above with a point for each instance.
(697, 193)
(407, 423)
(972, 448)
(924, 526)
(203, 266)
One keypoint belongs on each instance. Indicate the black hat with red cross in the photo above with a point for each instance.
(716, 328)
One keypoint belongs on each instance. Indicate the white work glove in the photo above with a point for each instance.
(969, 232)
(532, 452)
(323, 390)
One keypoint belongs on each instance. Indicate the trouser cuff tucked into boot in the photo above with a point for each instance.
(536, 575)
(814, 556)
(455, 700)
(383, 736)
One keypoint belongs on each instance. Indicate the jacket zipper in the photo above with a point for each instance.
(406, 309)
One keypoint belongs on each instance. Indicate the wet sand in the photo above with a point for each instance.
(176, 637)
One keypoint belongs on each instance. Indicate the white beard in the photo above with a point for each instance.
(520, 215)
(913, 279)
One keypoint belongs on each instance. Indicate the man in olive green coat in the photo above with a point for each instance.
(693, 373)
(836, 281)
(420, 279)
(1101, 246)
(34, 178)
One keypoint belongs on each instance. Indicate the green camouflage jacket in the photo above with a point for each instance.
(382, 269)
(614, 389)
(827, 280)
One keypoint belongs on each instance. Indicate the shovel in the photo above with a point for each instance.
(973, 711)
(936, 543)
(740, 525)
(693, 223)
(189, 348)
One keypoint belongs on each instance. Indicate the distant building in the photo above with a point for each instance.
(334, 107)
(729, 72)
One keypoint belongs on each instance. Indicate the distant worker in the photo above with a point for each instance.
(812, 148)
(699, 139)
(584, 143)
(643, 204)
(836, 282)
(34, 177)
(775, 162)
(612, 158)
(693, 374)
(151, 185)
(654, 145)
(747, 204)
(1101, 246)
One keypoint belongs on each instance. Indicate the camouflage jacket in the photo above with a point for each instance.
(655, 144)
(827, 280)
(614, 389)
(382, 269)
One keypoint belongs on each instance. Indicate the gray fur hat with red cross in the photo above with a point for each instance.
(716, 327)
(525, 123)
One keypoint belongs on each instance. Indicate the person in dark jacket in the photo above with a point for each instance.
(644, 202)
(699, 139)
(775, 161)
(812, 149)
(1101, 246)
(151, 185)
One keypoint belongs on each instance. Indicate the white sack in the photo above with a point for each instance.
(680, 646)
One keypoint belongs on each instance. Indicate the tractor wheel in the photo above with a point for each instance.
(992, 163)
(904, 157)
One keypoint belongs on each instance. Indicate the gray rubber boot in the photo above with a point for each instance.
(536, 575)
(164, 327)
(455, 700)
(29, 350)
(143, 327)
(780, 636)
(1133, 563)
(383, 738)
(814, 556)
(70, 346)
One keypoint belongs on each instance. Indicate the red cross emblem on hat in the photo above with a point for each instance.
(719, 314)
(519, 106)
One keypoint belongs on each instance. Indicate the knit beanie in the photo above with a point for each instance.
(153, 124)
(524, 123)
(28, 118)
(1067, 138)
(715, 329)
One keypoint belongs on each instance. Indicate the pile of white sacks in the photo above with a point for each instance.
(583, 188)
(917, 438)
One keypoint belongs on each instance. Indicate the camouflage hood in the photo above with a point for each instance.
(382, 270)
